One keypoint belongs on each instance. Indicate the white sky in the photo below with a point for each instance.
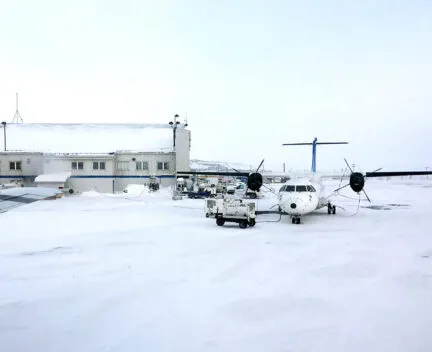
(251, 75)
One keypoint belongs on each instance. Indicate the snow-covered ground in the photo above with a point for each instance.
(141, 272)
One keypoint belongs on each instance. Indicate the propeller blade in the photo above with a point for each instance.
(349, 167)
(262, 162)
(343, 175)
(366, 195)
(341, 187)
(373, 172)
(269, 188)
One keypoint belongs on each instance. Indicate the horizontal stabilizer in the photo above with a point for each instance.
(315, 143)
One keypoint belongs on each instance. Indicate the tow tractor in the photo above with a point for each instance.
(231, 210)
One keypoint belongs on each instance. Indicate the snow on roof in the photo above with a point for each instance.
(88, 138)
(57, 177)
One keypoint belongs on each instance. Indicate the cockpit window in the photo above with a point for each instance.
(289, 188)
(301, 189)
(282, 189)
(310, 188)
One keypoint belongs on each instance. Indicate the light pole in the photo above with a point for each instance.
(4, 134)
(174, 125)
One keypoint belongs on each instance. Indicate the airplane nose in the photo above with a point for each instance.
(293, 205)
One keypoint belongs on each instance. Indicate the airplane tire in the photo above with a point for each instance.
(293, 220)
(297, 221)
(334, 209)
(243, 224)
(220, 221)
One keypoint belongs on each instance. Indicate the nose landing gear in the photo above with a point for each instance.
(331, 209)
(295, 220)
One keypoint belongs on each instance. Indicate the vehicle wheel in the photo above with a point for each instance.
(71, 191)
(243, 224)
(252, 196)
(207, 215)
(220, 221)
(252, 222)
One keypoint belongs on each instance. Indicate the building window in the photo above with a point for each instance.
(77, 165)
(162, 165)
(98, 165)
(122, 165)
(141, 165)
(15, 165)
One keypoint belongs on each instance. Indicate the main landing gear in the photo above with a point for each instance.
(295, 220)
(331, 209)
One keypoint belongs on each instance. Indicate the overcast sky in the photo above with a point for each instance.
(250, 75)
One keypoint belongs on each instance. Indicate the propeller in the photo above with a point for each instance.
(357, 181)
(255, 180)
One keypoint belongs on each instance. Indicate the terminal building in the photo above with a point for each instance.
(101, 157)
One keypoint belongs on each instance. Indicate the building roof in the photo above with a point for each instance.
(59, 177)
(88, 138)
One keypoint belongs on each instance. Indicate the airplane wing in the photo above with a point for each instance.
(397, 173)
(15, 197)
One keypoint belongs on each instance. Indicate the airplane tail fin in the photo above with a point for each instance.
(313, 144)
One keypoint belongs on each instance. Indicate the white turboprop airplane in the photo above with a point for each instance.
(298, 197)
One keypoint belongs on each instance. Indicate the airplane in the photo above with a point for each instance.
(301, 196)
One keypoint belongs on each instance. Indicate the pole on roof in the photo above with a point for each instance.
(4, 134)
(17, 117)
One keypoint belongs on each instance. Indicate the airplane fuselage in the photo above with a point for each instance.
(299, 197)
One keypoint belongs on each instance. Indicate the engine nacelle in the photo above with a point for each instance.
(357, 181)
(255, 181)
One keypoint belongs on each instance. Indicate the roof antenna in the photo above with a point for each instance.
(185, 123)
(17, 117)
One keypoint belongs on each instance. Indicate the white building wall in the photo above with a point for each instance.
(31, 166)
(111, 179)
(183, 144)
(34, 163)
(123, 178)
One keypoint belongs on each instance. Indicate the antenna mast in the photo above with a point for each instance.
(17, 117)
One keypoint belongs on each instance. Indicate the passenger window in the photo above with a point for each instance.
(301, 188)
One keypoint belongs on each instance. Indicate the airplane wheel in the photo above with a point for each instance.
(329, 209)
(243, 224)
(334, 209)
(293, 220)
(220, 221)
(297, 221)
